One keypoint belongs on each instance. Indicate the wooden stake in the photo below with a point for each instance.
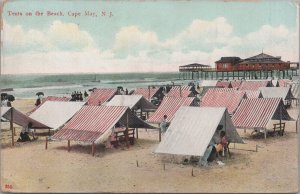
(46, 145)
(126, 131)
(192, 171)
(137, 133)
(137, 163)
(68, 145)
(12, 126)
(256, 148)
(159, 134)
(93, 148)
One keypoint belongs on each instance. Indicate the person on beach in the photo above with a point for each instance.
(164, 124)
(85, 94)
(216, 144)
(24, 135)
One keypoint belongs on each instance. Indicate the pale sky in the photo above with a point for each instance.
(142, 36)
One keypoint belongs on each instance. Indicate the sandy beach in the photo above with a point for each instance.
(28, 167)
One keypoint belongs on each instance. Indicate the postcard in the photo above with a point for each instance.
(149, 96)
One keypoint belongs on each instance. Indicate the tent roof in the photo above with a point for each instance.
(228, 99)
(276, 92)
(49, 98)
(192, 129)
(56, 113)
(253, 93)
(169, 106)
(145, 92)
(93, 123)
(101, 96)
(224, 84)
(21, 119)
(236, 83)
(185, 91)
(131, 101)
(254, 85)
(223, 89)
(257, 112)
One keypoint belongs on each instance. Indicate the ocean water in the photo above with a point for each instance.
(26, 86)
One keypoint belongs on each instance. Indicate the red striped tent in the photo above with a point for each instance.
(148, 93)
(224, 84)
(223, 89)
(94, 123)
(254, 85)
(100, 96)
(134, 102)
(236, 83)
(256, 113)
(229, 99)
(180, 91)
(169, 106)
(253, 93)
(284, 82)
(49, 98)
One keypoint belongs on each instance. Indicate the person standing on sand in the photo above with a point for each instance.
(164, 124)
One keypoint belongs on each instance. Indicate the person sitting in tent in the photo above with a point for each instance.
(24, 135)
(164, 124)
(216, 144)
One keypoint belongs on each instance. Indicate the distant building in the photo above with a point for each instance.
(255, 63)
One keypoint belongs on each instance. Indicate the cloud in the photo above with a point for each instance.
(67, 48)
(59, 36)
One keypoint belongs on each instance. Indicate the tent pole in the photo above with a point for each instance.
(265, 133)
(68, 145)
(149, 93)
(137, 132)
(12, 127)
(159, 133)
(93, 148)
(46, 145)
(126, 131)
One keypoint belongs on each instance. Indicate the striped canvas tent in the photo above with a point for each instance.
(192, 129)
(132, 101)
(254, 85)
(147, 93)
(100, 96)
(94, 123)
(56, 113)
(180, 91)
(224, 84)
(12, 114)
(253, 93)
(256, 113)
(277, 92)
(223, 89)
(49, 98)
(169, 106)
(283, 82)
(235, 83)
(230, 100)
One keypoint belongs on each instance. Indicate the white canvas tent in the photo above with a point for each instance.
(56, 113)
(192, 129)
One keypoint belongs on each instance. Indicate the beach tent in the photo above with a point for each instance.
(100, 96)
(169, 106)
(224, 84)
(223, 89)
(283, 82)
(95, 123)
(181, 91)
(17, 117)
(254, 85)
(235, 83)
(148, 93)
(49, 98)
(21, 119)
(56, 113)
(256, 113)
(295, 88)
(132, 101)
(275, 83)
(136, 103)
(228, 99)
(193, 128)
(253, 93)
(277, 92)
